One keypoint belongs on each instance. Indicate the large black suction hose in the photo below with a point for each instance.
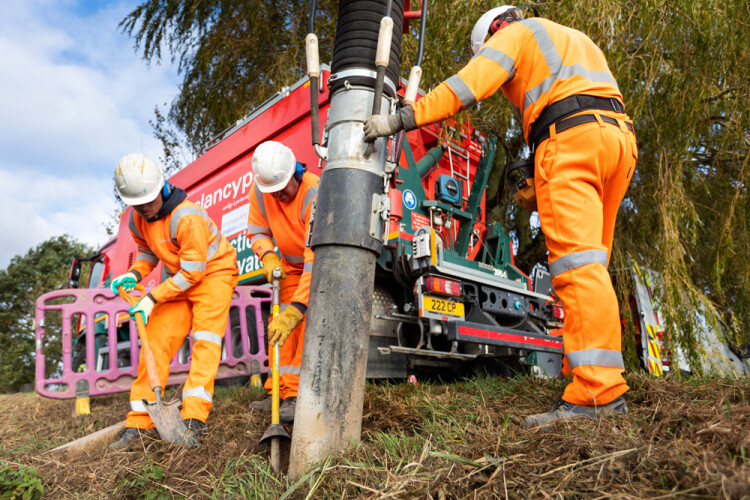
(357, 30)
(347, 238)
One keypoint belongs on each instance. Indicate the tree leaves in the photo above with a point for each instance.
(43, 269)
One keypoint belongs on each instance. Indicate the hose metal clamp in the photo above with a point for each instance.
(363, 72)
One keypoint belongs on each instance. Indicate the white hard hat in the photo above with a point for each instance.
(482, 27)
(138, 179)
(273, 166)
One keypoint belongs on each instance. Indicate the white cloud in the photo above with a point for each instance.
(74, 98)
(31, 204)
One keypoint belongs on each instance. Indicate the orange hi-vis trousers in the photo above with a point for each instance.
(205, 308)
(582, 174)
(290, 354)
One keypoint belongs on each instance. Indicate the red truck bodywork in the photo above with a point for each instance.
(219, 180)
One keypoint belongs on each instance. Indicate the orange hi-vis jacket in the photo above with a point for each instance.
(535, 62)
(288, 224)
(189, 245)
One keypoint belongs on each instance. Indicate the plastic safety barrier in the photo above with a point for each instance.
(108, 359)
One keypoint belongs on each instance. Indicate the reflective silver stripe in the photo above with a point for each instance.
(180, 213)
(290, 369)
(462, 91)
(504, 60)
(595, 357)
(546, 45)
(259, 237)
(148, 257)
(212, 249)
(137, 406)
(197, 392)
(181, 282)
(307, 268)
(253, 229)
(311, 193)
(192, 266)
(207, 336)
(212, 227)
(566, 72)
(145, 250)
(131, 225)
(261, 203)
(556, 68)
(577, 259)
(294, 259)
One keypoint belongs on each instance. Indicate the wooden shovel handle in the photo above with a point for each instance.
(154, 382)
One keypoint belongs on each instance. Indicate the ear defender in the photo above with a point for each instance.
(166, 190)
(496, 25)
(299, 170)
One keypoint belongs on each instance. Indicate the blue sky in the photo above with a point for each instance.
(74, 98)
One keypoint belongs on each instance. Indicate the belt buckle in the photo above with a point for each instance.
(616, 106)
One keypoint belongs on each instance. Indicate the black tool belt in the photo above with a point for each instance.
(574, 122)
(558, 111)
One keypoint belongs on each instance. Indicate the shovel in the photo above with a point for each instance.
(165, 416)
(275, 431)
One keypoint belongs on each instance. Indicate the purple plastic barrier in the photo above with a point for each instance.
(100, 305)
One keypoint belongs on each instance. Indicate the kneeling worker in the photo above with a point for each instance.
(202, 269)
(280, 208)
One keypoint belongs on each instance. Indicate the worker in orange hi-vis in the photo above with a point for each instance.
(281, 205)
(583, 153)
(202, 272)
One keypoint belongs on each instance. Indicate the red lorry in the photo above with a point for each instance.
(447, 293)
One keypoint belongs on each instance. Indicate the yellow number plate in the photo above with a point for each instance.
(442, 307)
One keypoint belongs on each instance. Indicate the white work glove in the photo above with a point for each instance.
(381, 126)
(125, 281)
(144, 307)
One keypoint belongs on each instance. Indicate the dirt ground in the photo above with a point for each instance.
(681, 439)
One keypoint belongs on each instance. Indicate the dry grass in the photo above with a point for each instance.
(682, 439)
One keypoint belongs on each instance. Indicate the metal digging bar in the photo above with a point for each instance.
(346, 236)
(275, 431)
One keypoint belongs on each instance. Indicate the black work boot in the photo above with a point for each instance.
(196, 426)
(263, 406)
(562, 410)
(286, 410)
(127, 435)
(196, 430)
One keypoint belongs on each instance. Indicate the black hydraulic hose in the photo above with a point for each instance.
(422, 27)
(314, 111)
(379, 80)
(311, 17)
(380, 73)
(420, 53)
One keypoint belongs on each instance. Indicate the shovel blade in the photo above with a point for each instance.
(168, 421)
